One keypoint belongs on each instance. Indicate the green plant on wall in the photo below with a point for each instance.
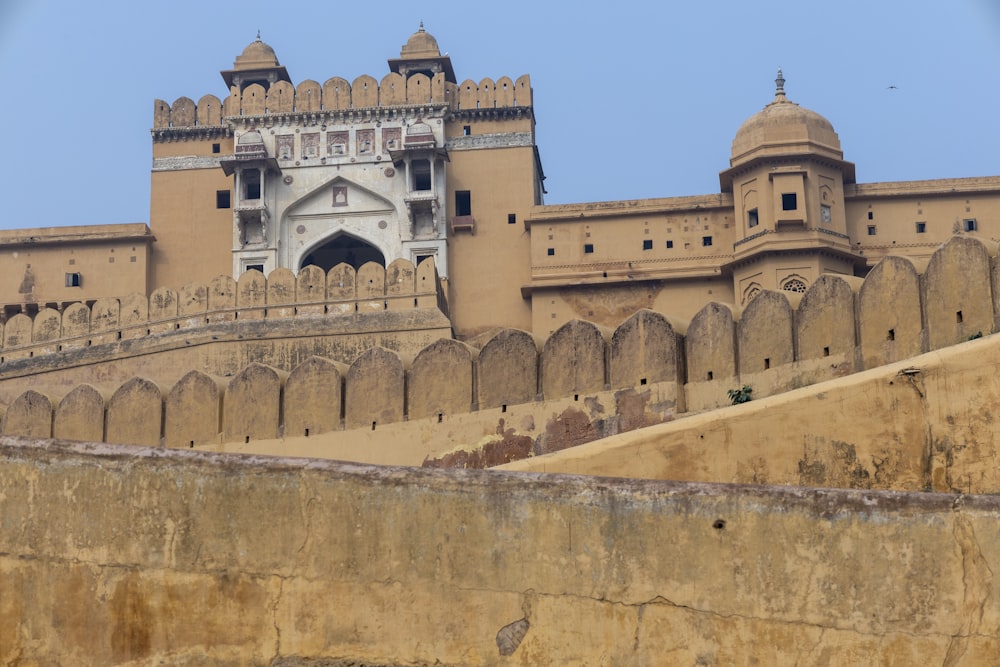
(741, 395)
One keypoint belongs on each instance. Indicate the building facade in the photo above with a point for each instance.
(417, 165)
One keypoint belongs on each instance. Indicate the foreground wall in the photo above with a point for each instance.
(112, 555)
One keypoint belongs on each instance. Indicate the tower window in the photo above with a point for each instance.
(222, 199)
(74, 280)
(670, 244)
(921, 227)
(588, 247)
(422, 175)
(969, 224)
(463, 202)
(251, 184)
(706, 240)
(871, 216)
(216, 148)
(752, 219)
(511, 218)
(789, 201)
(871, 230)
(550, 252)
(647, 244)
(466, 130)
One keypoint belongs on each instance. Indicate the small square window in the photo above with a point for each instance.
(466, 130)
(588, 248)
(550, 252)
(706, 240)
(216, 148)
(969, 224)
(222, 199)
(789, 201)
(511, 218)
(871, 230)
(74, 280)
(647, 244)
(871, 216)
(921, 227)
(670, 244)
(752, 219)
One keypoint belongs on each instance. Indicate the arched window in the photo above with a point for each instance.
(752, 290)
(794, 285)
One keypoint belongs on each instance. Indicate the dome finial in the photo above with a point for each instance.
(779, 83)
(421, 26)
(258, 34)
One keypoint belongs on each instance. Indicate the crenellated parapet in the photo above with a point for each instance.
(337, 96)
(780, 341)
(281, 294)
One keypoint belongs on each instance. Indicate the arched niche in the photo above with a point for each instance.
(342, 248)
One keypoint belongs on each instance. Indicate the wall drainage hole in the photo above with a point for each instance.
(719, 524)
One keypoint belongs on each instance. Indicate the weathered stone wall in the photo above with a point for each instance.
(922, 424)
(778, 343)
(113, 555)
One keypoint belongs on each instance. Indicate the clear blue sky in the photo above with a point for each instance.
(631, 101)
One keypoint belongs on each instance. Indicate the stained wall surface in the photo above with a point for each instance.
(278, 561)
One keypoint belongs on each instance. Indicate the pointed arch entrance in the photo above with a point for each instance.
(342, 248)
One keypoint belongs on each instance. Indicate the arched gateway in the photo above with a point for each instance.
(342, 248)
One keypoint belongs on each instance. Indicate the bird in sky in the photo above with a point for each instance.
(893, 87)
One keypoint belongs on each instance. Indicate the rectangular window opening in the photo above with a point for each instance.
(74, 280)
(503, 408)
(647, 244)
(871, 216)
(463, 202)
(871, 230)
(921, 227)
(970, 224)
(421, 170)
(550, 252)
(826, 351)
(670, 244)
(251, 184)
(511, 218)
(706, 240)
(767, 363)
(216, 148)
(891, 335)
(710, 375)
(588, 248)
(752, 219)
(642, 382)
(255, 267)
(789, 201)
(958, 317)
(466, 130)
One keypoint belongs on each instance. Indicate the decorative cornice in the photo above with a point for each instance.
(341, 116)
(191, 133)
(492, 113)
(185, 162)
(478, 141)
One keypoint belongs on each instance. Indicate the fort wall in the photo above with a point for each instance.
(240, 560)
(339, 95)
(840, 326)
